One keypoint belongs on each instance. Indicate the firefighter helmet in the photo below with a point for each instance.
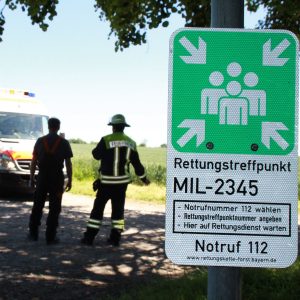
(118, 119)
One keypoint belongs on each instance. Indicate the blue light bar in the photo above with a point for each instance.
(29, 94)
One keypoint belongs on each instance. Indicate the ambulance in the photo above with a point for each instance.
(23, 119)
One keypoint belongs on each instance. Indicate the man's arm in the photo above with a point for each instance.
(98, 151)
(32, 170)
(138, 167)
(69, 173)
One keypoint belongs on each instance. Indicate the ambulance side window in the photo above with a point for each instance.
(45, 124)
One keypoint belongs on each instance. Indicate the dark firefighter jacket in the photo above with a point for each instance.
(116, 151)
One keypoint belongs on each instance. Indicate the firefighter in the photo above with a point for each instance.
(115, 151)
(49, 154)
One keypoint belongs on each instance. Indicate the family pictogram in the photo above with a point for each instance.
(235, 102)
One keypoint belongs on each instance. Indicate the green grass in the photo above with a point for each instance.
(85, 169)
(192, 286)
(153, 193)
(275, 284)
(147, 155)
(257, 284)
(153, 156)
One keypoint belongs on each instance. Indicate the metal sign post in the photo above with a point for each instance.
(232, 162)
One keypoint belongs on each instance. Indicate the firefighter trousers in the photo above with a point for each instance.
(116, 193)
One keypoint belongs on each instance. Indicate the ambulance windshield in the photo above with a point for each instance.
(22, 126)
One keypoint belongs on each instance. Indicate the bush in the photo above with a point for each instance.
(84, 169)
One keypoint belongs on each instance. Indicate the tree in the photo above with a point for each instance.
(38, 10)
(281, 14)
(131, 19)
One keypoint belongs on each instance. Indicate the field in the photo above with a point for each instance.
(154, 159)
(85, 170)
(148, 155)
(86, 167)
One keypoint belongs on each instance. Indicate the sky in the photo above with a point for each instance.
(74, 69)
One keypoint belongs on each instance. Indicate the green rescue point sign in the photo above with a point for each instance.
(233, 91)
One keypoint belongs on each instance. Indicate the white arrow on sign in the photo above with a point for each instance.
(198, 55)
(269, 131)
(271, 57)
(196, 128)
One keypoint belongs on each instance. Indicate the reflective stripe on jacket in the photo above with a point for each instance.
(116, 152)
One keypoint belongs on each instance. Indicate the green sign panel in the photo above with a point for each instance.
(233, 91)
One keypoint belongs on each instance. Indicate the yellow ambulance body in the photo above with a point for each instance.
(23, 119)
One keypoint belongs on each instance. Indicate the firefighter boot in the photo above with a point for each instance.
(114, 237)
(89, 236)
(33, 234)
(51, 238)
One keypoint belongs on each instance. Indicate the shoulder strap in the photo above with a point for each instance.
(54, 147)
(46, 144)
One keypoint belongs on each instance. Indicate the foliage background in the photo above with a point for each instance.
(130, 20)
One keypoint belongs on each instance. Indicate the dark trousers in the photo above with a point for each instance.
(114, 192)
(51, 184)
